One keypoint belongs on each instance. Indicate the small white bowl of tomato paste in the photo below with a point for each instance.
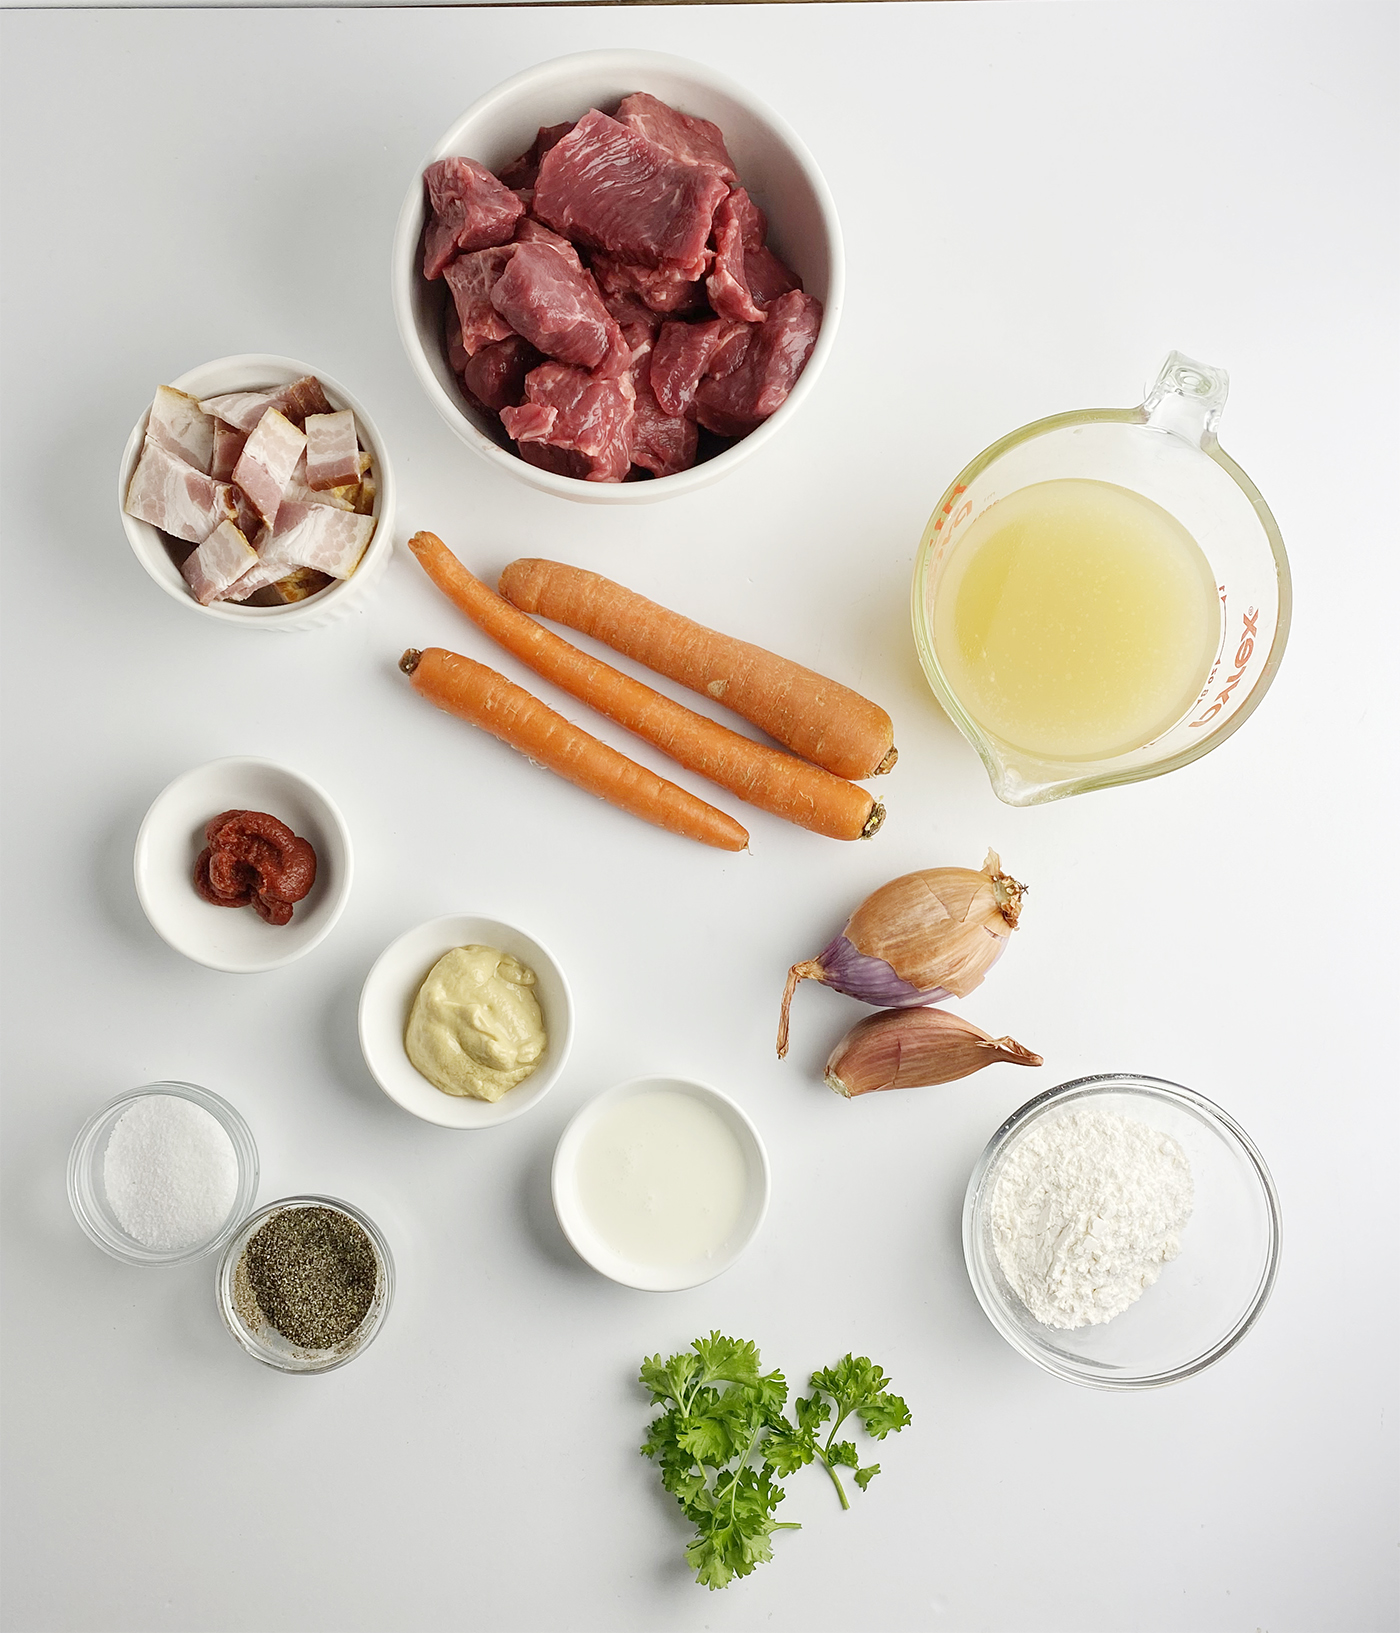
(531, 423)
(247, 930)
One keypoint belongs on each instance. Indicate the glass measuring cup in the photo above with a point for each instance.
(1166, 450)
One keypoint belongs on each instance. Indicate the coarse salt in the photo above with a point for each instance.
(170, 1172)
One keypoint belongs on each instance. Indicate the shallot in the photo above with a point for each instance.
(917, 940)
(911, 1048)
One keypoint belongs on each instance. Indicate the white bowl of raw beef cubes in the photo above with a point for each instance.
(802, 248)
(195, 458)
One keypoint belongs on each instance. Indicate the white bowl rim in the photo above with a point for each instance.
(566, 1156)
(403, 270)
(484, 1114)
(337, 907)
(234, 1124)
(1151, 1088)
(315, 607)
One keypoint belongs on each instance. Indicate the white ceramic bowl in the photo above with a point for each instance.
(771, 160)
(594, 1249)
(256, 371)
(172, 836)
(1205, 1300)
(387, 999)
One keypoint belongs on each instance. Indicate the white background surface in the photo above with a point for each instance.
(1039, 202)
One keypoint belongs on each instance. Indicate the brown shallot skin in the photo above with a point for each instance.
(251, 858)
(914, 1048)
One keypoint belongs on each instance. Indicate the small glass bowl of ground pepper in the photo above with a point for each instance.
(306, 1284)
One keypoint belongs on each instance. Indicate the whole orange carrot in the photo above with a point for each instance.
(817, 718)
(766, 777)
(473, 692)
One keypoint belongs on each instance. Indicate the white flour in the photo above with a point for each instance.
(1087, 1210)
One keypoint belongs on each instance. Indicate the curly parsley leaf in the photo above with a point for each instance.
(704, 1439)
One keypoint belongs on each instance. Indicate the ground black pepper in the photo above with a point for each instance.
(312, 1274)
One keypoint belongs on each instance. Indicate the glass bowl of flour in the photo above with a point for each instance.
(1121, 1232)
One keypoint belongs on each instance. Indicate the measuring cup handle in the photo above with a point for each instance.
(1188, 399)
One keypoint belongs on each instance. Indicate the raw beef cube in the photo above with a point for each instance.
(530, 231)
(529, 422)
(731, 351)
(562, 461)
(634, 317)
(593, 417)
(471, 279)
(661, 289)
(220, 561)
(727, 285)
(471, 211)
(496, 375)
(169, 494)
(777, 353)
(521, 172)
(332, 541)
(182, 428)
(617, 191)
(681, 359)
(332, 450)
(767, 277)
(697, 141)
(661, 443)
(243, 409)
(558, 309)
(268, 459)
(228, 445)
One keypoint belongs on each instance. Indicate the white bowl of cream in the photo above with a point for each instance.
(660, 1183)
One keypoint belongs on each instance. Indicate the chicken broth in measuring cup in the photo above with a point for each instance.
(1076, 620)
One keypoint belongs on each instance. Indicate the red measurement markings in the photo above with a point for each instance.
(1243, 653)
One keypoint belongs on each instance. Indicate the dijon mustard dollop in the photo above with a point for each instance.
(476, 1029)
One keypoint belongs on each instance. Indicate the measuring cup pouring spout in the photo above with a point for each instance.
(1165, 452)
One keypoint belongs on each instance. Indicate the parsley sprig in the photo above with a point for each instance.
(720, 1410)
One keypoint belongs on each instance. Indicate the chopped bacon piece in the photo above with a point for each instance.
(332, 450)
(228, 445)
(471, 278)
(268, 459)
(300, 583)
(259, 576)
(243, 409)
(182, 428)
(556, 306)
(223, 558)
(618, 191)
(471, 211)
(169, 494)
(332, 541)
(696, 141)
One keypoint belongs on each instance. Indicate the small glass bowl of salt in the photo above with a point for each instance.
(163, 1174)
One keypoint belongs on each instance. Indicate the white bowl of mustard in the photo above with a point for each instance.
(387, 1000)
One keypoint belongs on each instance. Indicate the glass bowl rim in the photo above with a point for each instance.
(374, 1319)
(1084, 1088)
(245, 1149)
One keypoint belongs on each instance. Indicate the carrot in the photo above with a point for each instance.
(817, 718)
(473, 692)
(776, 782)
